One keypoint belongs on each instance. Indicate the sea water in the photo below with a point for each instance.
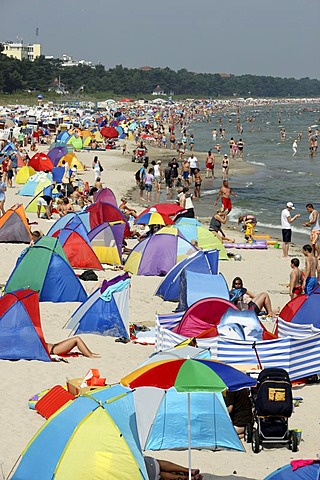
(276, 177)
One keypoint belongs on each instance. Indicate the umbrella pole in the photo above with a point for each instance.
(189, 436)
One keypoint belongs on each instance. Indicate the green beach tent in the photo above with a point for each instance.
(45, 269)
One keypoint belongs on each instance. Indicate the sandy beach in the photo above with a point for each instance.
(261, 270)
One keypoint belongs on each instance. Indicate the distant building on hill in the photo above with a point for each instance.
(146, 68)
(21, 51)
(58, 87)
(158, 91)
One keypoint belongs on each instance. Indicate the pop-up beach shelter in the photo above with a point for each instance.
(202, 316)
(206, 239)
(92, 437)
(75, 141)
(61, 222)
(157, 254)
(194, 286)
(35, 184)
(63, 137)
(24, 174)
(72, 159)
(44, 268)
(162, 417)
(297, 470)
(304, 309)
(76, 245)
(106, 311)
(21, 334)
(14, 227)
(105, 195)
(201, 261)
(41, 162)
(106, 240)
(56, 153)
(101, 212)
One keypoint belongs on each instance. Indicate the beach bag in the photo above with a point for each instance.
(137, 175)
(89, 275)
(100, 167)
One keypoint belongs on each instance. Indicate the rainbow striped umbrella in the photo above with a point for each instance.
(153, 218)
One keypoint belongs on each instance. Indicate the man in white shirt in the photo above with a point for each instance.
(286, 221)
(193, 163)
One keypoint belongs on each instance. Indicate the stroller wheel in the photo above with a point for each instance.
(293, 442)
(256, 441)
(248, 432)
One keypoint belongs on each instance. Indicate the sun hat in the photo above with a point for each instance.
(290, 205)
(225, 155)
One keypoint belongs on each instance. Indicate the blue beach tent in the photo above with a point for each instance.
(106, 311)
(202, 261)
(194, 286)
(309, 471)
(45, 269)
(61, 222)
(162, 419)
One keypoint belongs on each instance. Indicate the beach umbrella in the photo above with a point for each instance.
(297, 470)
(153, 218)
(92, 437)
(109, 132)
(169, 209)
(189, 375)
(185, 351)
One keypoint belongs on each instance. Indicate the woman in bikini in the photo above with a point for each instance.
(65, 346)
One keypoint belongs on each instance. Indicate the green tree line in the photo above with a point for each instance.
(17, 76)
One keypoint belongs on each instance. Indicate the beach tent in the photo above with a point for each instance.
(75, 141)
(57, 174)
(32, 205)
(162, 416)
(14, 226)
(44, 268)
(101, 212)
(41, 162)
(304, 309)
(76, 245)
(21, 334)
(61, 222)
(24, 174)
(200, 261)
(244, 325)
(206, 239)
(56, 153)
(202, 316)
(93, 437)
(63, 137)
(106, 240)
(194, 286)
(158, 253)
(106, 311)
(36, 184)
(297, 470)
(72, 159)
(105, 195)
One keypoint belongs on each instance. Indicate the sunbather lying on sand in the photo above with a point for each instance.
(65, 346)
(164, 470)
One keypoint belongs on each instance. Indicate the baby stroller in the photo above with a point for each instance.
(272, 406)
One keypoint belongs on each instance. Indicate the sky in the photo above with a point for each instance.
(279, 38)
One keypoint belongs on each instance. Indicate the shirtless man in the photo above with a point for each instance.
(315, 227)
(296, 279)
(225, 192)
(310, 280)
(65, 207)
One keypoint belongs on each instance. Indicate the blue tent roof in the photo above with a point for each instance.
(106, 311)
(194, 286)
(201, 261)
(62, 222)
(307, 472)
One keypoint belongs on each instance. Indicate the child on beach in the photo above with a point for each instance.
(249, 231)
(296, 279)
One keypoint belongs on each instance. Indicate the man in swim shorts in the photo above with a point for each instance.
(225, 192)
(310, 281)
